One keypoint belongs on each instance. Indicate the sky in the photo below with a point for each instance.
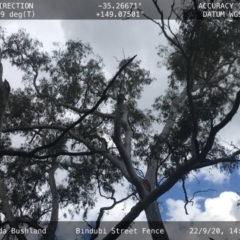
(114, 39)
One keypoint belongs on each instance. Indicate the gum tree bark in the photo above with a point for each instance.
(143, 186)
(52, 226)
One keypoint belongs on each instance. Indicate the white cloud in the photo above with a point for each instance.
(210, 174)
(176, 211)
(221, 208)
(45, 31)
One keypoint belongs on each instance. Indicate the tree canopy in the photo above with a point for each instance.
(75, 121)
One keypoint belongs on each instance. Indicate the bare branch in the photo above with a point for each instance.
(186, 196)
(219, 126)
(103, 209)
(187, 201)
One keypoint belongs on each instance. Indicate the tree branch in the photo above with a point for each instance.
(219, 126)
(61, 153)
(120, 112)
(103, 97)
(119, 164)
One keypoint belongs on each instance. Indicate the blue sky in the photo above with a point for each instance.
(228, 185)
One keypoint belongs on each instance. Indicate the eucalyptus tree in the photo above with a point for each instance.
(202, 98)
(30, 185)
(48, 107)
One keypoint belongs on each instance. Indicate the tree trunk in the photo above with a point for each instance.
(52, 226)
(7, 210)
(152, 212)
(155, 221)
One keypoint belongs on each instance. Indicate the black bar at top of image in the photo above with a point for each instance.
(113, 10)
